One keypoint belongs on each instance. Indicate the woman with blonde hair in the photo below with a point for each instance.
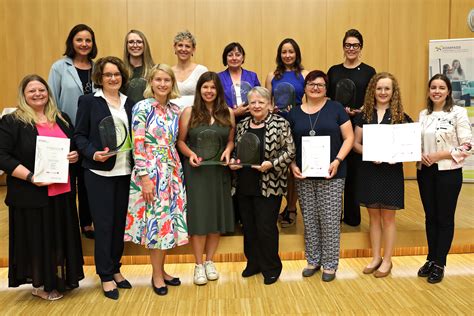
(156, 215)
(44, 238)
(138, 61)
(381, 187)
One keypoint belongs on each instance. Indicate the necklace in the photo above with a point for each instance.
(261, 121)
(313, 125)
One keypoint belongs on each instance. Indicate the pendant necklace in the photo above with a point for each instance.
(313, 125)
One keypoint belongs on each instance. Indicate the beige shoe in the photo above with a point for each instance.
(380, 274)
(368, 270)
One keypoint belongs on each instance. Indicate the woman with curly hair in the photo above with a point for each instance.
(382, 188)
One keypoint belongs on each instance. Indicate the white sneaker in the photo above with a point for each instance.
(211, 271)
(199, 275)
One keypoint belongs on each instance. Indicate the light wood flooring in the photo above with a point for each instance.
(401, 293)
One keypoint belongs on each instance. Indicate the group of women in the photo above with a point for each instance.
(162, 194)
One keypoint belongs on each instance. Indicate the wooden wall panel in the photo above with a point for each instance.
(459, 12)
(160, 20)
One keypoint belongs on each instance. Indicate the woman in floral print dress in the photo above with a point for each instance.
(157, 207)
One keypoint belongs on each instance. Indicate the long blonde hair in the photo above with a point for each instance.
(396, 107)
(148, 93)
(147, 59)
(26, 114)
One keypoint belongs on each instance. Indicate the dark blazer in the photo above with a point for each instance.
(91, 110)
(18, 146)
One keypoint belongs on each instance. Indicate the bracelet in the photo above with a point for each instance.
(338, 159)
(29, 177)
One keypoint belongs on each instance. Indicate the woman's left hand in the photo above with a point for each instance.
(429, 159)
(225, 157)
(264, 166)
(73, 156)
(333, 168)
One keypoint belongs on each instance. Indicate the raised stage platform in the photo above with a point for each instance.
(355, 241)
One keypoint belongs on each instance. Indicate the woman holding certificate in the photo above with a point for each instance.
(320, 191)
(208, 184)
(107, 175)
(446, 143)
(156, 215)
(381, 187)
(260, 187)
(44, 239)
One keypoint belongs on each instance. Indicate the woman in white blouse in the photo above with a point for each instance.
(446, 142)
(186, 71)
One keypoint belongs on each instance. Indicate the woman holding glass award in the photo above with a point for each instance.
(446, 143)
(288, 73)
(44, 239)
(381, 184)
(206, 138)
(320, 191)
(156, 215)
(260, 187)
(138, 61)
(233, 57)
(69, 78)
(347, 84)
(108, 168)
(186, 71)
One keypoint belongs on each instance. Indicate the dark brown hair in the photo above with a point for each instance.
(99, 70)
(448, 105)
(70, 52)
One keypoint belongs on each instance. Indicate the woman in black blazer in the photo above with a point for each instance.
(107, 178)
(44, 239)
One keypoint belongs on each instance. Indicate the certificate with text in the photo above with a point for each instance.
(391, 143)
(51, 163)
(316, 156)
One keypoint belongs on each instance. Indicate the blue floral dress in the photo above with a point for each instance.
(161, 224)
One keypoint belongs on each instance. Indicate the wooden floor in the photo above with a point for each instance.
(355, 241)
(401, 293)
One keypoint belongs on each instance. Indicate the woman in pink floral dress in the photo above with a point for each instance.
(157, 207)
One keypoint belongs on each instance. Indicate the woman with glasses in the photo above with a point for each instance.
(288, 70)
(360, 73)
(69, 78)
(138, 61)
(186, 71)
(321, 197)
(107, 177)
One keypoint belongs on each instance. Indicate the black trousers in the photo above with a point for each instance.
(78, 186)
(439, 191)
(351, 201)
(259, 216)
(108, 202)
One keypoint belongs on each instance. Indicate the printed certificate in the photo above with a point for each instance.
(315, 154)
(391, 143)
(51, 164)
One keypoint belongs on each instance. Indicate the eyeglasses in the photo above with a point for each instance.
(135, 42)
(109, 75)
(354, 46)
(313, 85)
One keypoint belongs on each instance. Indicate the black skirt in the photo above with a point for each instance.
(45, 245)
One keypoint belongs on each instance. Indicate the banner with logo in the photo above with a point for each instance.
(455, 59)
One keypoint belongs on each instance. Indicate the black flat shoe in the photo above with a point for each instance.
(124, 284)
(426, 269)
(328, 277)
(249, 272)
(114, 294)
(159, 290)
(307, 272)
(436, 274)
(270, 280)
(89, 234)
(173, 282)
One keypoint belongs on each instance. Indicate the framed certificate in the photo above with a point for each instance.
(391, 143)
(316, 156)
(51, 163)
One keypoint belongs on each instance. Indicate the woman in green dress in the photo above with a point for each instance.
(208, 184)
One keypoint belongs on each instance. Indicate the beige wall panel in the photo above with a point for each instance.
(31, 33)
(160, 20)
(412, 24)
(108, 19)
(370, 17)
(219, 23)
(459, 11)
(302, 20)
